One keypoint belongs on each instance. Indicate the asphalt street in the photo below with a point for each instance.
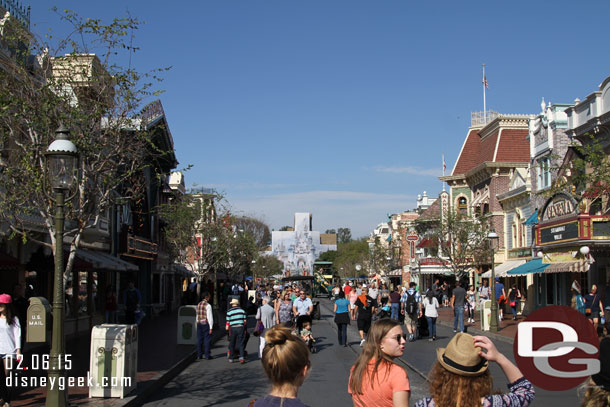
(218, 383)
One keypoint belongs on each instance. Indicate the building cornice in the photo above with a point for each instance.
(512, 121)
(485, 170)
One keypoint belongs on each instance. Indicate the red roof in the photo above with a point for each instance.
(512, 147)
(433, 212)
(469, 155)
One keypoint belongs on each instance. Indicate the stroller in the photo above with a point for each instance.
(300, 321)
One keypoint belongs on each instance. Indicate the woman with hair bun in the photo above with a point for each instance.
(375, 379)
(286, 363)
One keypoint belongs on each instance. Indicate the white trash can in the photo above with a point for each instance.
(114, 360)
(187, 325)
(485, 315)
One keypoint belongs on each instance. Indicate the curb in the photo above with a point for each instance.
(478, 331)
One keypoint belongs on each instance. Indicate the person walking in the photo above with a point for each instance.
(365, 308)
(430, 306)
(283, 310)
(205, 322)
(375, 379)
(445, 293)
(10, 343)
(461, 376)
(514, 297)
(395, 304)
(457, 304)
(132, 299)
(236, 325)
(342, 318)
(500, 297)
(302, 305)
(593, 306)
(411, 309)
(577, 302)
(266, 315)
(471, 303)
(353, 297)
(286, 363)
(484, 293)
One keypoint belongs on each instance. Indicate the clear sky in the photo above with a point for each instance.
(343, 108)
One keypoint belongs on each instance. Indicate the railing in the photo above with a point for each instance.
(482, 118)
(20, 13)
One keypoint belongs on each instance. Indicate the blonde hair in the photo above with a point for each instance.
(284, 356)
(372, 351)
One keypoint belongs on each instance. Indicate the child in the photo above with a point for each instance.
(303, 331)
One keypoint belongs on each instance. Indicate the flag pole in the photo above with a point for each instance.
(484, 97)
(444, 167)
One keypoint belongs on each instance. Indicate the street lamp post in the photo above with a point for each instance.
(62, 166)
(493, 325)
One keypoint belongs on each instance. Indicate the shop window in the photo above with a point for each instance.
(462, 206)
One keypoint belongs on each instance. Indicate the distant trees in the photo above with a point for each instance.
(285, 228)
(255, 227)
(344, 235)
(267, 266)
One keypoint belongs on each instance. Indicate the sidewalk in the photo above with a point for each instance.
(507, 328)
(159, 360)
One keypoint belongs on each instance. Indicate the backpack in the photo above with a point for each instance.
(235, 289)
(411, 304)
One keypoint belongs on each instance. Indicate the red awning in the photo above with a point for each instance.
(427, 243)
(8, 262)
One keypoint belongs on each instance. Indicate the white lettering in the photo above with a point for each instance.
(558, 229)
(557, 237)
(525, 336)
(89, 380)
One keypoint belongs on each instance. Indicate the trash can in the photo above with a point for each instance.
(187, 325)
(485, 315)
(114, 360)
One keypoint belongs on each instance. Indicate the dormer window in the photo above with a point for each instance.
(462, 205)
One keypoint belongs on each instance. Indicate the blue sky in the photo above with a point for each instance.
(343, 108)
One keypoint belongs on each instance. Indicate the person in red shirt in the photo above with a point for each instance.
(347, 289)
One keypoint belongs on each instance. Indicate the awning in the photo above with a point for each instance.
(427, 243)
(397, 272)
(534, 266)
(504, 268)
(181, 270)
(569, 267)
(101, 260)
(8, 262)
(532, 220)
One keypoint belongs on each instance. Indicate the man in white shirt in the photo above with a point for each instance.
(302, 305)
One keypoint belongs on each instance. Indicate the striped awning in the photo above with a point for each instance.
(504, 268)
(568, 267)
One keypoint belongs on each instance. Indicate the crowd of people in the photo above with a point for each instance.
(460, 375)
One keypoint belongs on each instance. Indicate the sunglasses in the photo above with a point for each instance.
(398, 337)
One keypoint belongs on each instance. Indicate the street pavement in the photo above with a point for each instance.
(219, 383)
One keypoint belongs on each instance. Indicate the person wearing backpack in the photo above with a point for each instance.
(577, 302)
(411, 309)
(131, 299)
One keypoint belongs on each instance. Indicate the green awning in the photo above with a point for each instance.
(532, 220)
(534, 266)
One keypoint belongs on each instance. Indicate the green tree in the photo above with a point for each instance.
(255, 227)
(331, 232)
(461, 240)
(285, 228)
(349, 255)
(344, 235)
(267, 266)
(80, 85)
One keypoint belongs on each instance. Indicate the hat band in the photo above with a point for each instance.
(469, 369)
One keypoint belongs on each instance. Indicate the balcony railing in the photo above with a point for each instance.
(20, 13)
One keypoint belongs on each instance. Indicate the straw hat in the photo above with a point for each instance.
(462, 357)
(234, 301)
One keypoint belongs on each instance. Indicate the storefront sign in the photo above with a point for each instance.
(564, 256)
(431, 261)
(559, 206)
(516, 253)
(559, 233)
